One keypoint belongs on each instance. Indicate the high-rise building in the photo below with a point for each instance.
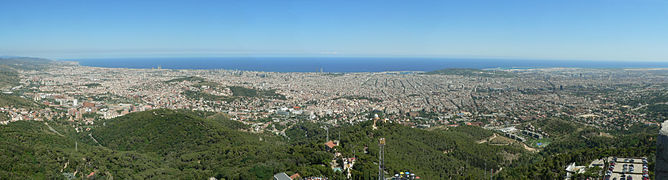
(661, 170)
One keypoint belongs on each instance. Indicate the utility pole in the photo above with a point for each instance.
(491, 173)
(326, 129)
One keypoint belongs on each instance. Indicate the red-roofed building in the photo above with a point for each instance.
(88, 104)
(330, 144)
(474, 123)
(89, 107)
(295, 176)
(91, 175)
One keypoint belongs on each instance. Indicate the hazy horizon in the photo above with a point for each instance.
(574, 30)
(330, 57)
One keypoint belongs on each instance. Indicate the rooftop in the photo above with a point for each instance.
(281, 176)
(330, 144)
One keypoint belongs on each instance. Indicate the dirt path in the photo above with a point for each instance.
(54, 130)
(487, 139)
(91, 136)
(530, 149)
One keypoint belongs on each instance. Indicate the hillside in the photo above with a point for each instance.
(161, 131)
(197, 145)
(194, 144)
(11, 100)
(190, 148)
(9, 67)
(435, 154)
(8, 77)
(238, 92)
(202, 142)
(30, 150)
(16, 101)
(24, 63)
(185, 144)
(573, 142)
(158, 144)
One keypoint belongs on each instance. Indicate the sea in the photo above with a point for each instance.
(349, 64)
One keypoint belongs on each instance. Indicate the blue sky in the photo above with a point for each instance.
(626, 30)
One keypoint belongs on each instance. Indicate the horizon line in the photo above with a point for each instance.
(343, 57)
(369, 57)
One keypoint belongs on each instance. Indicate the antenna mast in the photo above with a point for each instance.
(381, 159)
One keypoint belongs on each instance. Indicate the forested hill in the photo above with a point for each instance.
(35, 150)
(182, 137)
(197, 145)
(431, 154)
(581, 144)
(165, 131)
(157, 144)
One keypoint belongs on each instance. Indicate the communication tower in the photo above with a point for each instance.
(381, 159)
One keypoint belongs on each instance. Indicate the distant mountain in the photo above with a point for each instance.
(10, 65)
(24, 63)
(15, 101)
(9, 77)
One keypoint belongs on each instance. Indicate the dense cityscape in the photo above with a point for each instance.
(594, 97)
(334, 90)
(511, 104)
